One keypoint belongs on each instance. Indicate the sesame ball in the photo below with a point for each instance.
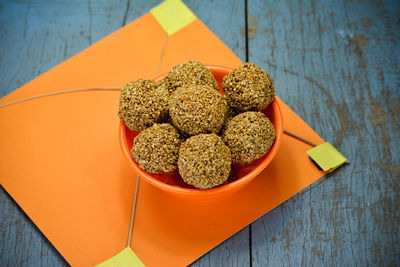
(142, 103)
(249, 136)
(204, 161)
(196, 109)
(248, 87)
(192, 72)
(156, 148)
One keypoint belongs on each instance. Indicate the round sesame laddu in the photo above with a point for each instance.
(204, 161)
(192, 72)
(248, 87)
(196, 109)
(156, 149)
(249, 136)
(142, 103)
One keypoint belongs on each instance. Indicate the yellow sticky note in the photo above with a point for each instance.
(173, 15)
(327, 157)
(126, 258)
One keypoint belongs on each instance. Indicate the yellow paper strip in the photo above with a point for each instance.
(126, 258)
(173, 15)
(327, 157)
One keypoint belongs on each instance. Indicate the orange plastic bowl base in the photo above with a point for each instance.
(240, 175)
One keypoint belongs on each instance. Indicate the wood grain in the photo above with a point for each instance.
(336, 63)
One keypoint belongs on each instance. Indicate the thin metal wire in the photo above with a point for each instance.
(299, 138)
(128, 244)
(59, 93)
(162, 55)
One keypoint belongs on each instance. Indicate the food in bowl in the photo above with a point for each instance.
(196, 109)
(204, 161)
(192, 72)
(249, 136)
(156, 148)
(142, 103)
(248, 87)
(201, 114)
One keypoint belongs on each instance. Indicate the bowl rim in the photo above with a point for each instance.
(219, 189)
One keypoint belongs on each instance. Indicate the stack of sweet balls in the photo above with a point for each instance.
(186, 124)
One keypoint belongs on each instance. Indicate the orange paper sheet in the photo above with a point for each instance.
(61, 162)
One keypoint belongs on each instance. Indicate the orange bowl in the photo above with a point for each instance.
(240, 175)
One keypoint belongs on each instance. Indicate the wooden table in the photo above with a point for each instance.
(336, 63)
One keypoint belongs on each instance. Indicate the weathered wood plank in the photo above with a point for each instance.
(336, 64)
(22, 244)
(37, 35)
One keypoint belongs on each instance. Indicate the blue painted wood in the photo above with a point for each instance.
(22, 244)
(334, 62)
